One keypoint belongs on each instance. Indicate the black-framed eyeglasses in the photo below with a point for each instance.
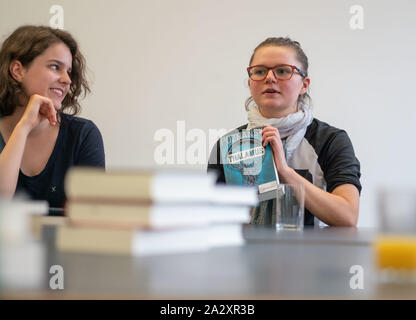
(281, 72)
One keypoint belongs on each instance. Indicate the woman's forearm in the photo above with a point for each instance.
(339, 208)
(11, 159)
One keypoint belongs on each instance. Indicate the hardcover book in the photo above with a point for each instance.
(247, 162)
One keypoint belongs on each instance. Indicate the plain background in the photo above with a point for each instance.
(153, 63)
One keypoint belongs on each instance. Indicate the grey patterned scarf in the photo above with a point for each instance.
(292, 127)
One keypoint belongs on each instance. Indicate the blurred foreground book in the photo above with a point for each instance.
(144, 213)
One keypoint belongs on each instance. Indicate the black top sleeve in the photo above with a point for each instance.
(340, 166)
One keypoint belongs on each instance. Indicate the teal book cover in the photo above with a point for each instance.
(247, 162)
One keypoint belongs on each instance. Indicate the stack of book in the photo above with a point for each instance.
(141, 213)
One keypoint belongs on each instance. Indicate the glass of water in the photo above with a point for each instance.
(290, 206)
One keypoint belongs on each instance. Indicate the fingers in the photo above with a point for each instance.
(271, 140)
(38, 109)
(47, 110)
(270, 130)
(270, 135)
(44, 107)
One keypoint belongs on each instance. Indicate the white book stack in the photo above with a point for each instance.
(142, 213)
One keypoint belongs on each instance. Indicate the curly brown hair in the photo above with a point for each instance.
(300, 55)
(24, 45)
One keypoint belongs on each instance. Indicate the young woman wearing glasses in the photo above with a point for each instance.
(41, 78)
(316, 154)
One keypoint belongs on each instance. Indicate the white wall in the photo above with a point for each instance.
(155, 62)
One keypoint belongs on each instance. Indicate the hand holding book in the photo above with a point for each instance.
(270, 135)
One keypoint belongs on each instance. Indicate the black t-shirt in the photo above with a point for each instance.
(325, 157)
(79, 143)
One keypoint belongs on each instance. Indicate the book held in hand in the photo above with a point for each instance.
(247, 162)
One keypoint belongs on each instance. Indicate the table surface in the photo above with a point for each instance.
(308, 264)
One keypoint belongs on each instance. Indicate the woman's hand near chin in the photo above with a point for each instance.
(37, 109)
